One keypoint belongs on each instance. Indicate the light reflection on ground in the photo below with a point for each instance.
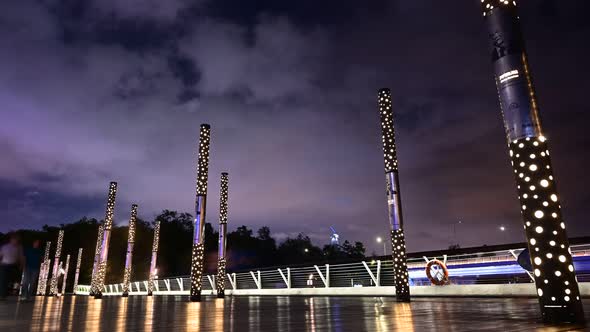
(271, 313)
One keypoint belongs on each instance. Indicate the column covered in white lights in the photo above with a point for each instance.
(198, 252)
(129, 255)
(394, 203)
(53, 290)
(65, 278)
(221, 258)
(555, 279)
(77, 274)
(154, 258)
(96, 259)
(101, 267)
(44, 270)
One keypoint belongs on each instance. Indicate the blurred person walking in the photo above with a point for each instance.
(11, 259)
(31, 273)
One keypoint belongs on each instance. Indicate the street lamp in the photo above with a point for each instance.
(380, 240)
(502, 228)
(306, 250)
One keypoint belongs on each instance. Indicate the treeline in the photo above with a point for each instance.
(246, 249)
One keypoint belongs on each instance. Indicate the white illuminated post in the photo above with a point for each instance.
(129, 256)
(44, 271)
(53, 290)
(78, 265)
(154, 258)
(66, 268)
(394, 203)
(221, 259)
(540, 206)
(104, 247)
(96, 259)
(198, 252)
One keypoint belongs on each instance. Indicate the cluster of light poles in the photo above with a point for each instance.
(554, 275)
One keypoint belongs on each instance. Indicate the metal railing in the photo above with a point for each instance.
(498, 267)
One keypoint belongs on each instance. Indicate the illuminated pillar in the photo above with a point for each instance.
(44, 271)
(53, 286)
(398, 242)
(221, 260)
(66, 268)
(78, 264)
(154, 258)
(96, 259)
(101, 267)
(198, 252)
(554, 275)
(129, 256)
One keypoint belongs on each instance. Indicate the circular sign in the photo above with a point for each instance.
(437, 272)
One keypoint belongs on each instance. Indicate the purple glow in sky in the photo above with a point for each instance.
(116, 90)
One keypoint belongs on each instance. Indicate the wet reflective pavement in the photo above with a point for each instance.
(175, 313)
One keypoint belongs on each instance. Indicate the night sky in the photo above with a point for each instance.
(100, 90)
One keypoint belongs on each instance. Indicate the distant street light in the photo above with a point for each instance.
(502, 228)
(380, 240)
(306, 250)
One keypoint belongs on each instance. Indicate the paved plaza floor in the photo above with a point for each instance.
(175, 313)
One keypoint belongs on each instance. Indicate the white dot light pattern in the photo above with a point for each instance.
(65, 277)
(129, 255)
(387, 130)
(548, 242)
(197, 270)
(220, 278)
(197, 258)
(104, 250)
(155, 246)
(489, 5)
(203, 161)
(44, 270)
(78, 265)
(93, 284)
(401, 279)
(400, 267)
(54, 275)
(221, 260)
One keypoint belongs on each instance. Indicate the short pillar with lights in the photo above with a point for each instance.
(101, 267)
(65, 278)
(96, 259)
(53, 287)
(221, 257)
(153, 270)
(129, 254)
(44, 270)
(77, 274)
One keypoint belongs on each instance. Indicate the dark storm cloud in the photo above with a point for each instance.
(115, 90)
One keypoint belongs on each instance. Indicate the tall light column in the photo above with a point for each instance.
(66, 268)
(53, 286)
(398, 242)
(129, 256)
(104, 246)
(43, 271)
(555, 279)
(198, 252)
(96, 259)
(78, 264)
(154, 258)
(221, 258)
